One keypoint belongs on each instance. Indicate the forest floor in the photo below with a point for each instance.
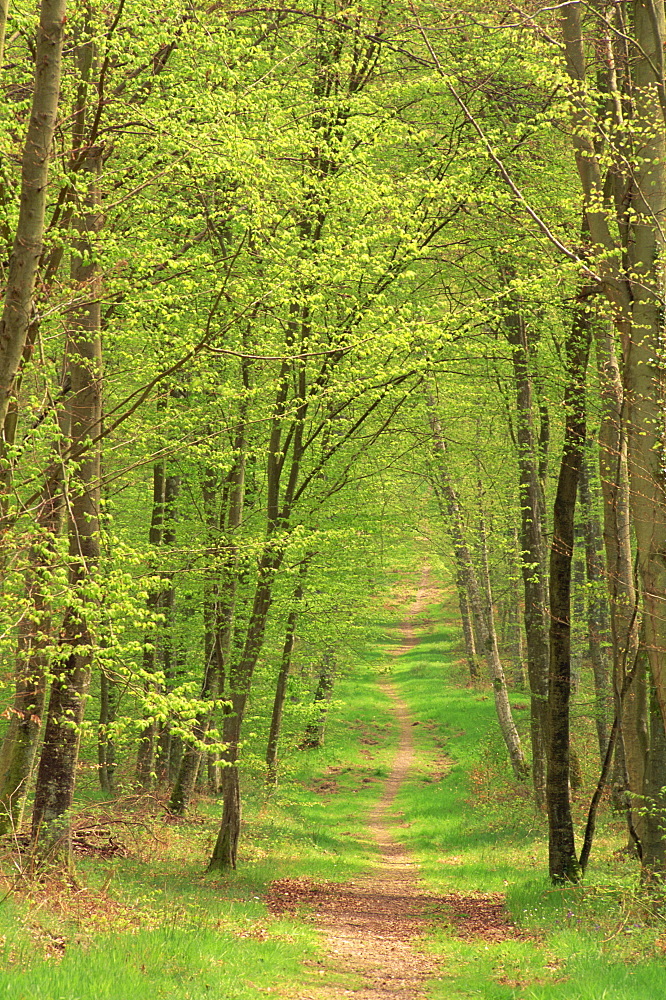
(372, 926)
(400, 861)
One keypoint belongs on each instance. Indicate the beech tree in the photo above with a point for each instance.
(27, 244)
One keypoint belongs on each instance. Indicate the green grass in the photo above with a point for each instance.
(474, 829)
(169, 930)
(170, 961)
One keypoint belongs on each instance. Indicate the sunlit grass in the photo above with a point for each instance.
(474, 830)
(158, 926)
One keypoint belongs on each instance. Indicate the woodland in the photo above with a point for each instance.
(287, 288)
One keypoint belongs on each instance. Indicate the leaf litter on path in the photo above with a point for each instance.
(372, 926)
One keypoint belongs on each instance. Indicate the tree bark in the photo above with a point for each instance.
(467, 628)
(283, 677)
(480, 606)
(516, 619)
(563, 863)
(643, 351)
(146, 749)
(222, 626)
(225, 851)
(313, 738)
(634, 286)
(654, 843)
(167, 747)
(106, 750)
(4, 12)
(532, 546)
(57, 767)
(28, 246)
(598, 624)
(501, 695)
(20, 743)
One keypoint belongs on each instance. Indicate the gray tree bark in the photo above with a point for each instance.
(502, 705)
(532, 545)
(27, 246)
(563, 863)
(56, 776)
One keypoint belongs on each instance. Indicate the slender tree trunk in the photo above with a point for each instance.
(27, 247)
(598, 625)
(502, 705)
(516, 619)
(654, 842)
(146, 749)
(57, 767)
(481, 610)
(4, 11)
(532, 545)
(20, 743)
(313, 738)
(222, 627)
(563, 863)
(578, 605)
(167, 748)
(624, 620)
(467, 628)
(106, 750)
(225, 850)
(282, 678)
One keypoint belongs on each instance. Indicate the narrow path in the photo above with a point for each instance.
(370, 925)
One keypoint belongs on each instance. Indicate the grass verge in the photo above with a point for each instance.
(475, 831)
(148, 923)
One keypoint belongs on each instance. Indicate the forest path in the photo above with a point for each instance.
(371, 925)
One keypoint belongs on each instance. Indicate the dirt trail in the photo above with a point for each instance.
(371, 926)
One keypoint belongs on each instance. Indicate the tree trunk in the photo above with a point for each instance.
(20, 743)
(313, 738)
(166, 747)
(634, 287)
(221, 626)
(654, 844)
(450, 507)
(467, 628)
(578, 604)
(27, 248)
(516, 619)
(502, 705)
(282, 679)
(57, 767)
(225, 852)
(146, 749)
(598, 625)
(643, 355)
(106, 750)
(563, 863)
(4, 11)
(240, 678)
(532, 546)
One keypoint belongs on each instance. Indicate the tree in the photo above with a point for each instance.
(27, 245)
